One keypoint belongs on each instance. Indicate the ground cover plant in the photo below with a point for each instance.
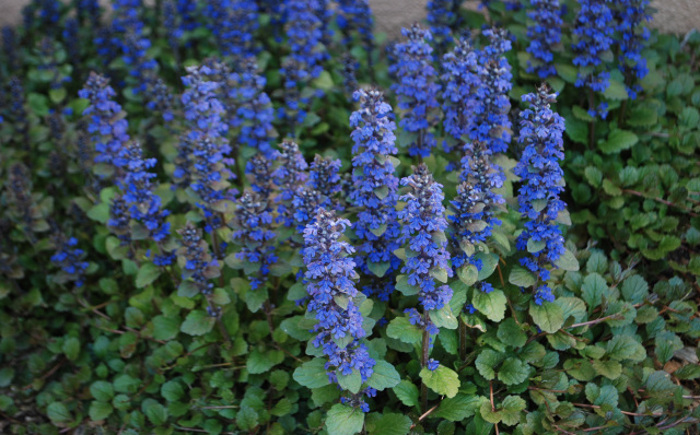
(263, 217)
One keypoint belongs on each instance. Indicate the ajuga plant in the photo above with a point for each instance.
(630, 15)
(592, 40)
(540, 172)
(239, 247)
(545, 36)
(443, 16)
(416, 88)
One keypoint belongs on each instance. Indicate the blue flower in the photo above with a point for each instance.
(356, 16)
(475, 205)
(544, 34)
(290, 177)
(433, 365)
(198, 266)
(424, 223)
(329, 277)
(304, 63)
(144, 205)
(416, 88)
(461, 83)
(201, 162)
(106, 123)
(324, 178)
(374, 186)
(70, 260)
(233, 23)
(259, 171)
(593, 32)
(119, 217)
(491, 124)
(630, 15)
(443, 17)
(9, 48)
(252, 231)
(541, 132)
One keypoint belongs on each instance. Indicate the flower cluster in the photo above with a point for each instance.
(356, 16)
(374, 189)
(324, 178)
(593, 36)
(290, 177)
(9, 48)
(107, 124)
(545, 35)
(20, 120)
(127, 23)
(541, 132)
(253, 109)
(491, 124)
(259, 171)
(48, 62)
(443, 17)
(416, 88)
(119, 218)
(461, 83)
(630, 15)
(198, 266)
(71, 41)
(307, 52)
(423, 229)
(252, 230)
(144, 205)
(329, 279)
(21, 203)
(202, 162)
(475, 204)
(233, 23)
(70, 260)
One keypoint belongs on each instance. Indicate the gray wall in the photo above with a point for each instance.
(676, 16)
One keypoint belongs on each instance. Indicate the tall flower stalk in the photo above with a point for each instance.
(329, 279)
(545, 36)
(427, 257)
(416, 88)
(593, 32)
(375, 191)
(630, 15)
(541, 132)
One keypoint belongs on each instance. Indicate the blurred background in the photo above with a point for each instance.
(674, 16)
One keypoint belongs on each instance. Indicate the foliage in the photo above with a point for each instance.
(203, 231)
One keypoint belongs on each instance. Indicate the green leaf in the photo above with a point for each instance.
(593, 290)
(384, 376)
(102, 391)
(548, 316)
(513, 371)
(407, 393)
(351, 382)
(247, 418)
(486, 363)
(259, 362)
(126, 384)
(521, 277)
(100, 410)
(165, 328)
(389, 424)
(99, 213)
(567, 262)
(457, 408)
(616, 91)
(58, 413)
(511, 334)
(71, 348)
(625, 347)
(511, 410)
(443, 380)
(404, 287)
(57, 95)
(635, 289)
(534, 246)
(379, 269)
(324, 81)
(567, 72)
(610, 369)
(488, 264)
(147, 273)
(312, 374)
(468, 274)
(617, 141)
(444, 318)
(172, 391)
(197, 323)
(401, 329)
(344, 420)
(492, 305)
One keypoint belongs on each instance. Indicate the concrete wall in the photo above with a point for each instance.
(676, 16)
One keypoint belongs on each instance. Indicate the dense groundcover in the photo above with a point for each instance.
(261, 217)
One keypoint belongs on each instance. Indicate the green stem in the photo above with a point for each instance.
(424, 361)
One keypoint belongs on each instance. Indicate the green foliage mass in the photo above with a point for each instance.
(131, 353)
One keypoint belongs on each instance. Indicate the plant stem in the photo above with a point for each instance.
(424, 361)
(462, 340)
